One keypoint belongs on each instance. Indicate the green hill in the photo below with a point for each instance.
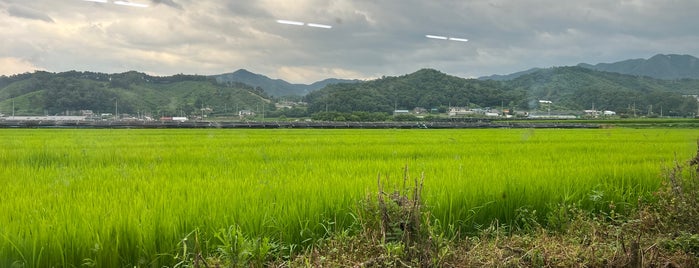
(131, 92)
(569, 88)
(578, 88)
(425, 88)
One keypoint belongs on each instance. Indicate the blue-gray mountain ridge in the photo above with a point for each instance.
(276, 87)
(660, 66)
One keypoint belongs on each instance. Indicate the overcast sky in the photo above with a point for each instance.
(368, 38)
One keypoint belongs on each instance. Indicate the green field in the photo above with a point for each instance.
(114, 198)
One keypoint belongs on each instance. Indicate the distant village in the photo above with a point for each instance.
(544, 111)
(419, 113)
(507, 113)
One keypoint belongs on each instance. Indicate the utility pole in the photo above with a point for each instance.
(116, 109)
(13, 108)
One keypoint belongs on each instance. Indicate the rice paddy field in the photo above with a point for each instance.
(124, 197)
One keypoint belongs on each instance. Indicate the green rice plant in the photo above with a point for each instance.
(111, 198)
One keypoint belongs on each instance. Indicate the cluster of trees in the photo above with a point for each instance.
(295, 112)
(257, 90)
(61, 94)
(45, 93)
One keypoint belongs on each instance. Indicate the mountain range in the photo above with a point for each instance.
(276, 87)
(507, 77)
(671, 66)
(660, 66)
(569, 88)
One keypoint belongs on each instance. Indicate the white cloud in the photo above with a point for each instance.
(10, 66)
(301, 74)
(28, 13)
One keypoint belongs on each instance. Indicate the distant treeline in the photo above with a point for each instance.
(568, 88)
(131, 92)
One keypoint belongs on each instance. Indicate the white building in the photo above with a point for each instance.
(460, 111)
(245, 113)
(399, 112)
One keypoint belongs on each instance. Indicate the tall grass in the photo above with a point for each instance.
(131, 197)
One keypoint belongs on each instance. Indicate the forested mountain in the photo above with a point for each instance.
(578, 88)
(569, 88)
(130, 92)
(426, 88)
(660, 66)
(506, 77)
(671, 66)
(276, 87)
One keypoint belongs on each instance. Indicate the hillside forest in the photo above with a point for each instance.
(569, 90)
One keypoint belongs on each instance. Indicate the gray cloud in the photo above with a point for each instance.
(368, 39)
(170, 3)
(28, 13)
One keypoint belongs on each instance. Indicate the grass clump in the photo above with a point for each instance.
(395, 229)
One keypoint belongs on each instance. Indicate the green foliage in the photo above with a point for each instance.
(295, 112)
(651, 235)
(678, 199)
(130, 92)
(238, 250)
(425, 88)
(354, 116)
(687, 242)
(577, 88)
(115, 198)
(404, 118)
(570, 88)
